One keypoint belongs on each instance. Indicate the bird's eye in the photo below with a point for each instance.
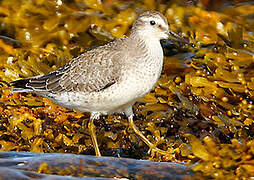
(152, 22)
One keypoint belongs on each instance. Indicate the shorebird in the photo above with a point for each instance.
(109, 78)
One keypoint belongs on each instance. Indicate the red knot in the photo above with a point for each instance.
(109, 78)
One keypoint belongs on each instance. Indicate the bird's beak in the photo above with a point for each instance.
(176, 37)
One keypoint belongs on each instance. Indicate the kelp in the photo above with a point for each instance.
(201, 108)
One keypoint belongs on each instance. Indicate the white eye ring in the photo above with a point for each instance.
(152, 22)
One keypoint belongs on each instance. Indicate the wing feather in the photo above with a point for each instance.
(92, 71)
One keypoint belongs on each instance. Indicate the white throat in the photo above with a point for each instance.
(155, 50)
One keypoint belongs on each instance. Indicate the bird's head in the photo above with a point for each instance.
(151, 24)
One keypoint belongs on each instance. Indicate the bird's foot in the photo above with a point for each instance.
(152, 147)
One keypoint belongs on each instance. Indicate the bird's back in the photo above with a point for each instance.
(92, 71)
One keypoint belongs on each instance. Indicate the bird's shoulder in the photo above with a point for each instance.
(94, 70)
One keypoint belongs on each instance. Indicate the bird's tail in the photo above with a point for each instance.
(21, 85)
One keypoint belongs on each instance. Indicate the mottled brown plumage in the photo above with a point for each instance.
(94, 70)
(109, 78)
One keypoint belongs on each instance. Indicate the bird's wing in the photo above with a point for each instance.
(92, 71)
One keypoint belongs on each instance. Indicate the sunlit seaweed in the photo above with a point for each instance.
(202, 106)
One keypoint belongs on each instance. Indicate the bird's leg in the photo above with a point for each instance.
(91, 128)
(152, 147)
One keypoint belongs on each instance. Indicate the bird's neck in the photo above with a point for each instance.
(148, 61)
(150, 50)
(142, 35)
(149, 44)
